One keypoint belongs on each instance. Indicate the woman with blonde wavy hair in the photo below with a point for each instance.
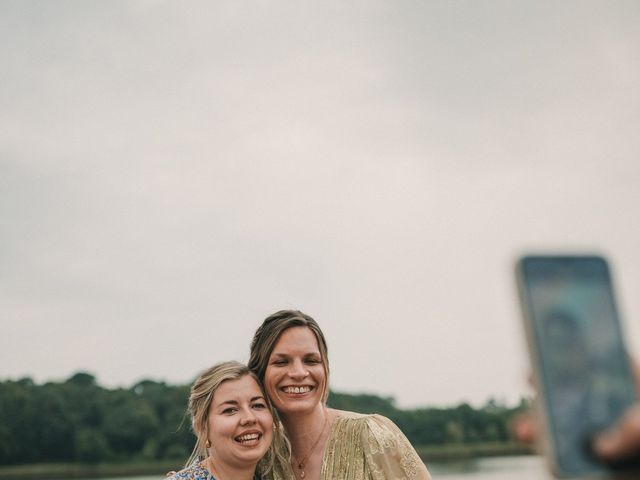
(232, 420)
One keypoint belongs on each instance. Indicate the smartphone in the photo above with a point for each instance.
(581, 368)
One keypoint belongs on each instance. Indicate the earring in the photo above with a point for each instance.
(207, 444)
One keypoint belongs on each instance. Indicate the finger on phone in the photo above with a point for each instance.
(623, 440)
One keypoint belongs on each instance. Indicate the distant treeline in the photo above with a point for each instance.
(79, 421)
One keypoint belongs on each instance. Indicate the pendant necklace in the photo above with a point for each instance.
(302, 462)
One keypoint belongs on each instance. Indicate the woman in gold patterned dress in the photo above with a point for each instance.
(289, 356)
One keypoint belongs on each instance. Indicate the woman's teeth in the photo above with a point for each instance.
(249, 437)
(297, 389)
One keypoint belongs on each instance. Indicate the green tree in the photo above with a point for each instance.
(128, 423)
(91, 446)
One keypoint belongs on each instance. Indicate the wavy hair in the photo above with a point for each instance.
(202, 392)
(268, 334)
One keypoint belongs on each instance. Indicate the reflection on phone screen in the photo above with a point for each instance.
(582, 359)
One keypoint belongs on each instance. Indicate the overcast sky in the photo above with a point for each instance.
(171, 173)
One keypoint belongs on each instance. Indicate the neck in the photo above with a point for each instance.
(223, 471)
(303, 428)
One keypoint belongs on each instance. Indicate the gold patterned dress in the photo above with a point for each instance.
(367, 447)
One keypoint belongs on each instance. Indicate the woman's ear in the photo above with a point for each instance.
(199, 430)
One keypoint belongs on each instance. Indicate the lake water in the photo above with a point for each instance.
(528, 467)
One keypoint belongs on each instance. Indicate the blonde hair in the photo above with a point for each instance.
(268, 334)
(202, 392)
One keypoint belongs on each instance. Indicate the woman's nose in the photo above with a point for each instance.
(248, 417)
(298, 370)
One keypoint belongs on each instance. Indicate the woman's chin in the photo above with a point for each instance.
(288, 405)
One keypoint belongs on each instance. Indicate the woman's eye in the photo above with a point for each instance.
(228, 411)
(312, 361)
(280, 362)
(259, 406)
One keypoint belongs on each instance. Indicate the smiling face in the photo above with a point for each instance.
(239, 423)
(295, 378)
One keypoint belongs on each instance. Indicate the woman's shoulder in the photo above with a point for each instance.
(373, 421)
(370, 426)
(388, 453)
(194, 472)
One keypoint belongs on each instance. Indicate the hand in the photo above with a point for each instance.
(623, 440)
(620, 443)
(524, 428)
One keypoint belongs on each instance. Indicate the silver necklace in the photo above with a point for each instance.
(302, 462)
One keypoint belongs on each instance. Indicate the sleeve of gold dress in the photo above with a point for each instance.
(388, 453)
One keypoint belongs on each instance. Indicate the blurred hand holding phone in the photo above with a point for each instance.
(581, 367)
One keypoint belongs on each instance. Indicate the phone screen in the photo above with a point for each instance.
(582, 362)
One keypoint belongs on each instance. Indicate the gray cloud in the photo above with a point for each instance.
(171, 175)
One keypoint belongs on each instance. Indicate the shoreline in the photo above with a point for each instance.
(39, 471)
(63, 471)
(454, 452)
